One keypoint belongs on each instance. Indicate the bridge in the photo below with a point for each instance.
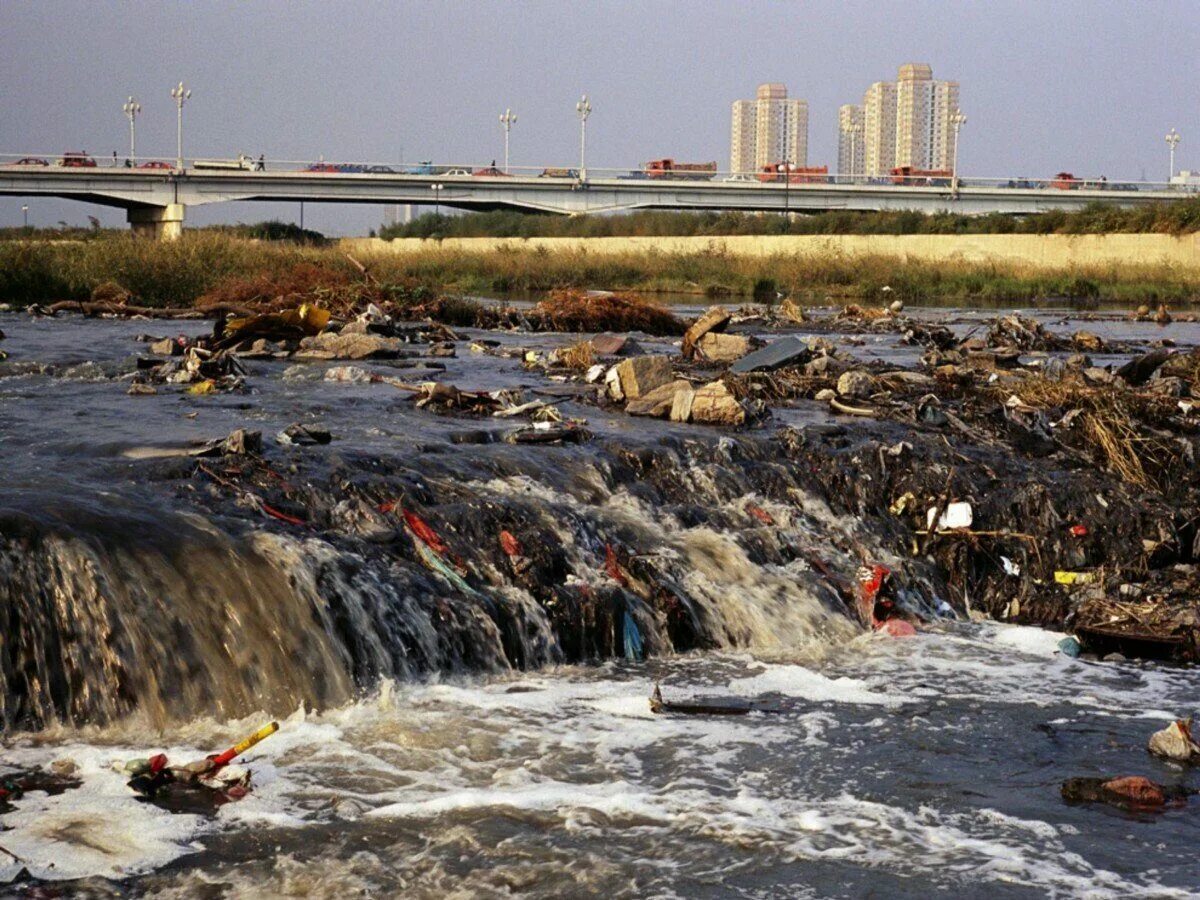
(156, 199)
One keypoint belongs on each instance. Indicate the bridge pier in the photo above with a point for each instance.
(165, 223)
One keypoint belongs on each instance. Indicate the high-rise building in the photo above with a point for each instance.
(741, 140)
(879, 128)
(769, 129)
(907, 122)
(850, 140)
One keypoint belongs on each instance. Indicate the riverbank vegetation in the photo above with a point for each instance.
(1174, 218)
(202, 266)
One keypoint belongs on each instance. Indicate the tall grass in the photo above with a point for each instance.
(179, 273)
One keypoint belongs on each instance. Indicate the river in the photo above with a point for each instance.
(145, 613)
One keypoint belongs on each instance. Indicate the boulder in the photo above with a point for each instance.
(776, 354)
(609, 344)
(715, 319)
(642, 374)
(166, 347)
(681, 406)
(1139, 369)
(328, 345)
(657, 403)
(1087, 342)
(855, 383)
(718, 347)
(713, 404)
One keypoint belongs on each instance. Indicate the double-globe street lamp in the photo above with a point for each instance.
(507, 120)
(1173, 140)
(957, 121)
(180, 95)
(584, 109)
(132, 109)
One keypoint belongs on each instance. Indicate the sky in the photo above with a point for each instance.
(1088, 87)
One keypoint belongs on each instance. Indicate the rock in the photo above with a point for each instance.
(166, 347)
(1176, 742)
(1171, 386)
(825, 395)
(350, 346)
(303, 435)
(1139, 369)
(714, 405)
(1097, 375)
(792, 311)
(1078, 362)
(137, 389)
(609, 344)
(681, 406)
(778, 353)
(827, 365)
(1087, 342)
(855, 383)
(715, 319)
(896, 307)
(1162, 317)
(1130, 791)
(718, 347)
(1143, 310)
(658, 402)
(642, 374)
(351, 374)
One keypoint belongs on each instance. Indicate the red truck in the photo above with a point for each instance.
(921, 177)
(1065, 181)
(668, 168)
(76, 160)
(794, 174)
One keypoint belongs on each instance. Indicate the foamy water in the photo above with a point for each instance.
(894, 767)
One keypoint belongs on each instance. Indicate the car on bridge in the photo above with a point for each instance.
(559, 173)
(458, 171)
(27, 161)
(328, 168)
(155, 164)
(424, 167)
(380, 170)
(76, 160)
(242, 164)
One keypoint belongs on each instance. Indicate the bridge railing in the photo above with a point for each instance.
(457, 172)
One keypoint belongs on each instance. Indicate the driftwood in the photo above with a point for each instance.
(101, 308)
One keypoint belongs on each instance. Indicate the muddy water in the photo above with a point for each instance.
(893, 769)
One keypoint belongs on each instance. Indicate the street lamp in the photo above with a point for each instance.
(1173, 140)
(25, 214)
(437, 198)
(507, 119)
(132, 108)
(584, 108)
(180, 95)
(957, 120)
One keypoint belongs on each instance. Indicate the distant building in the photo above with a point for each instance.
(768, 129)
(851, 131)
(879, 128)
(908, 122)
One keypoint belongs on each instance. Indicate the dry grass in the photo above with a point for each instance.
(581, 311)
(1114, 421)
(579, 356)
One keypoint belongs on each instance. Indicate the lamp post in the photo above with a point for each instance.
(180, 95)
(25, 215)
(507, 120)
(584, 108)
(437, 198)
(957, 120)
(132, 108)
(1173, 140)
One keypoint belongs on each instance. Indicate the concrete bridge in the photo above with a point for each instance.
(156, 199)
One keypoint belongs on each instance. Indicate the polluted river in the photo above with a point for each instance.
(457, 604)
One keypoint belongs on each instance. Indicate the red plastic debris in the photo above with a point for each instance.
(509, 544)
(425, 533)
(870, 582)
(759, 513)
(1079, 530)
(158, 762)
(281, 516)
(1136, 790)
(613, 567)
(896, 628)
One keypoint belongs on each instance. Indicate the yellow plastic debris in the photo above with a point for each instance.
(1074, 577)
(207, 386)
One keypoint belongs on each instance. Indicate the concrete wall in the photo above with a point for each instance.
(1052, 251)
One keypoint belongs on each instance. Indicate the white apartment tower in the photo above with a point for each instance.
(851, 131)
(769, 129)
(907, 122)
(879, 128)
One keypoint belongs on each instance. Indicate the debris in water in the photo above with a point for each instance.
(1176, 742)
(716, 706)
(1129, 792)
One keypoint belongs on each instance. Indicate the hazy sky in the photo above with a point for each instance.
(1091, 87)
